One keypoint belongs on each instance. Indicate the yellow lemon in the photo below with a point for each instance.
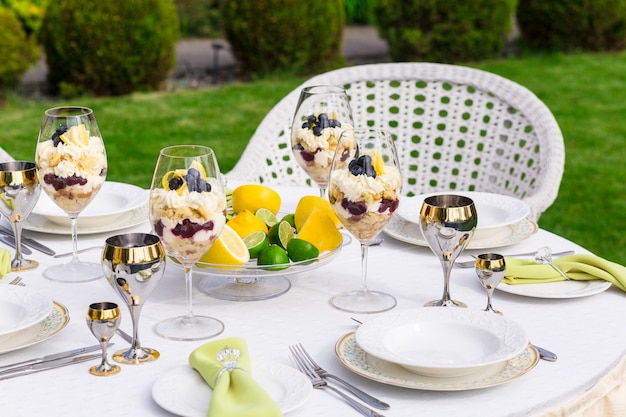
(253, 197)
(307, 204)
(321, 231)
(228, 249)
(76, 135)
(246, 222)
(377, 162)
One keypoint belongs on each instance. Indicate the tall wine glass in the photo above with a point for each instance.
(364, 192)
(188, 212)
(71, 166)
(447, 222)
(322, 114)
(134, 263)
(19, 192)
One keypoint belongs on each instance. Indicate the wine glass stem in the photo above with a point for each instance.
(74, 223)
(323, 191)
(17, 233)
(103, 346)
(364, 249)
(189, 317)
(446, 263)
(134, 317)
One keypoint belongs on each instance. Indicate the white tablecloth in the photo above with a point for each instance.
(587, 334)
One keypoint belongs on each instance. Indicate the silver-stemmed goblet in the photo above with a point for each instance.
(71, 166)
(490, 268)
(322, 114)
(19, 192)
(134, 263)
(447, 223)
(103, 319)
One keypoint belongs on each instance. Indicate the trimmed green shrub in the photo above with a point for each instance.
(18, 52)
(572, 25)
(199, 18)
(443, 30)
(29, 12)
(267, 35)
(109, 47)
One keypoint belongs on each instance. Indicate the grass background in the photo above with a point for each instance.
(586, 93)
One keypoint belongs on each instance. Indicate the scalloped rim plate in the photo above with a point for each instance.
(561, 289)
(358, 361)
(408, 232)
(182, 390)
(20, 308)
(112, 201)
(494, 210)
(44, 330)
(442, 341)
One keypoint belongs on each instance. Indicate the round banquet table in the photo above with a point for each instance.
(586, 333)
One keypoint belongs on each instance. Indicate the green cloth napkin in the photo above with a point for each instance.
(235, 394)
(580, 267)
(5, 262)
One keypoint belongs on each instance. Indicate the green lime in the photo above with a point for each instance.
(267, 216)
(274, 257)
(301, 250)
(289, 218)
(281, 233)
(256, 242)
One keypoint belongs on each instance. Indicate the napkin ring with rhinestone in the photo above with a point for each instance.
(228, 357)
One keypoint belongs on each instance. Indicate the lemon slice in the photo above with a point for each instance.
(197, 165)
(377, 162)
(228, 249)
(76, 135)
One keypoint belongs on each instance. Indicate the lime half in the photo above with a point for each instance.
(256, 242)
(267, 216)
(281, 233)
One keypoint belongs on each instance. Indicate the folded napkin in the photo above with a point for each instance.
(235, 393)
(580, 267)
(5, 262)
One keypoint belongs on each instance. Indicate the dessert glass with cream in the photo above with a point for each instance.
(322, 115)
(71, 167)
(364, 192)
(188, 213)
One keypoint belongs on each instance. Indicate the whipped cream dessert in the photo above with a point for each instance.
(365, 195)
(315, 144)
(188, 214)
(71, 167)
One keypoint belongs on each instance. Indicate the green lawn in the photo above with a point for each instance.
(586, 93)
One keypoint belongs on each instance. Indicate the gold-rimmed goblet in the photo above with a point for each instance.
(134, 263)
(19, 192)
(188, 212)
(71, 166)
(322, 114)
(490, 268)
(447, 222)
(364, 192)
(103, 319)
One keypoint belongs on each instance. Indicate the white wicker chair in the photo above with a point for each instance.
(456, 128)
(4, 156)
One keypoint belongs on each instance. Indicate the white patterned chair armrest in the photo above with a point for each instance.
(4, 156)
(456, 128)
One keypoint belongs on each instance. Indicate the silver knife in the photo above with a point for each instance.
(38, 367)
(29, 242)
(49, 358)
(10, 242)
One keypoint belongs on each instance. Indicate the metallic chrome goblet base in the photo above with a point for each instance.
(245, 289)
(136, 356)
(363, 302)
(104, 370)
(445, 303)
(23, 265)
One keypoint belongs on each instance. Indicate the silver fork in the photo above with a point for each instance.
(17, 281)
(319, 383)
(321, 372)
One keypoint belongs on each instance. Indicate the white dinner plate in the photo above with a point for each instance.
(44, 330)
(133, 218)
(356, 360)
(442, 342)
(21, 307)
(112, 201)
(409, 232)
(182, 391)
(493, 210)
(560, 289)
